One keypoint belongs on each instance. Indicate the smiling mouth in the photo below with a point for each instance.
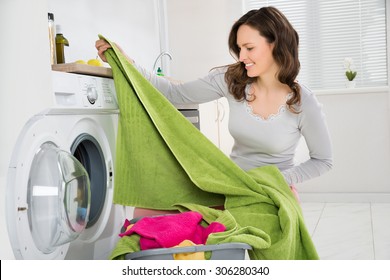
(248, 65)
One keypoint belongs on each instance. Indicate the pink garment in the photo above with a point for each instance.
(170, 230)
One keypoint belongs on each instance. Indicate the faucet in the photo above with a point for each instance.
(160, 56)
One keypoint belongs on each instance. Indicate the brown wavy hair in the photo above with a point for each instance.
(275, 27)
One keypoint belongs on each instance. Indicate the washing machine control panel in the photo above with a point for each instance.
(83, 91)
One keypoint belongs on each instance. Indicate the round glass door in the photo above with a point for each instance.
(88, 152)
(58, 198)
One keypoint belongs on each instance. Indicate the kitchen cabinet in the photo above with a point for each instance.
(214, 124)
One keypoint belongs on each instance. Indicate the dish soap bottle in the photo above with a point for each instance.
(61, 42)
(159, 72)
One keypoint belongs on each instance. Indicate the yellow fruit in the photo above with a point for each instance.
(80, 61)
(95, 62)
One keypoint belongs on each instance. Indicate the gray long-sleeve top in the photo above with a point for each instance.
(257, 141)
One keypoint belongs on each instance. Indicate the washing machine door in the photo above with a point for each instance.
(48, 195)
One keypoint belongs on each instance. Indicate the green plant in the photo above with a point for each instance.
(350, 73)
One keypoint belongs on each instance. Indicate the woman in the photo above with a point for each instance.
(269, 109)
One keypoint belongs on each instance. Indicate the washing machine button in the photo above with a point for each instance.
(92, 94)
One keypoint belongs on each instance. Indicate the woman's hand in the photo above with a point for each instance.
(102, 45)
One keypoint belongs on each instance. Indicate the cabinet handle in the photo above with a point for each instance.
(217, 112)
(223, 111)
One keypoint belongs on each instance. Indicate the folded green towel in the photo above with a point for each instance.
(164, 162)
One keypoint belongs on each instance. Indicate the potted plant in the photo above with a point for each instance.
(350, 73)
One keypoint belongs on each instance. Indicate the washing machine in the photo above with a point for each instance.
(61, 176)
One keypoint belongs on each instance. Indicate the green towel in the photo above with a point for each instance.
(164, 162)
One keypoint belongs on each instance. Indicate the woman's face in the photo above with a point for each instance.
(255, 52)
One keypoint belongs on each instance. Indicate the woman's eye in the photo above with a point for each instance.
(249, 49)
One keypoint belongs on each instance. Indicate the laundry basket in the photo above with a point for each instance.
(225, 251)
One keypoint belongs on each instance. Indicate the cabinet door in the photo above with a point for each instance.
(214, 118)
(209, 121)
(224, 137)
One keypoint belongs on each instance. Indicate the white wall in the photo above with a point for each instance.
(131, 24)
(359, 124)
(198, 34)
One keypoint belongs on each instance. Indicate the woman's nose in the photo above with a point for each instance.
(241, 56)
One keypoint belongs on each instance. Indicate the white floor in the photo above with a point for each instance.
(349, 231)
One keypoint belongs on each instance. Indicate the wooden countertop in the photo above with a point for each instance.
(84, 69)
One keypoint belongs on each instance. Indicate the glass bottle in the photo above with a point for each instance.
(52, 40)
(61, 42)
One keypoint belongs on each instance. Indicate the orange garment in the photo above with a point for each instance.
(190, 255)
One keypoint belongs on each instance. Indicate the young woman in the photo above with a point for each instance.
(269, 109)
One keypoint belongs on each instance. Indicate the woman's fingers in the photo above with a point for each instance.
(101, 46)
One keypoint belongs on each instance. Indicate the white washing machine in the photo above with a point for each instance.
(61, 176)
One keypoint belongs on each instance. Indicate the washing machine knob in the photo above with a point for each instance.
(92, 94)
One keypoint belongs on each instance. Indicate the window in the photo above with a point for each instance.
(332, 30)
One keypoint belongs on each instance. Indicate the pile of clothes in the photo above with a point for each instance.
(174, 230)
